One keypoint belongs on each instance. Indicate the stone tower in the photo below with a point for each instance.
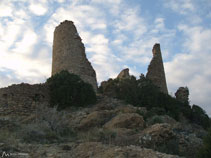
(156, 71)
(69, 53)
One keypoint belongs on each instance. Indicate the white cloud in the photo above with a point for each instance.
(180, 6)
(26, 44)
(192, 68)
(38, 9)
(107, 1)
(130, 21)
(6, 9)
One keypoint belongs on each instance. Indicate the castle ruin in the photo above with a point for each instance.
(156, 71)
(182, 94)
(69, 53)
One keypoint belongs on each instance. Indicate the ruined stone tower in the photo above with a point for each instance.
(69, 53)
(182, 94)
(156, 71)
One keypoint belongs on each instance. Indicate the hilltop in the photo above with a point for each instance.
(69, 116)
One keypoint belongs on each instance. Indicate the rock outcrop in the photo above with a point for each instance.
(182, 94)
(96, 150)
(124, 74)
(69, 53)
(156, 71)
(126, 120)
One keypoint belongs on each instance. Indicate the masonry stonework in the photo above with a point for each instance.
(69, 54)
(182, 94)
(22, 99)
(156, 71)
(23, 94)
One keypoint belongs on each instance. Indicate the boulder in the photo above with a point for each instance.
(126, 120)
(95, 119)
(159, 137)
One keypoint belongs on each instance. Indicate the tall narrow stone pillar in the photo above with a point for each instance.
(156, 71)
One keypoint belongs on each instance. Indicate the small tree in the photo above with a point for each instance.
(68, 89)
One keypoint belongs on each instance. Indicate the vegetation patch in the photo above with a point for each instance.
(67, 89)
(141, 92)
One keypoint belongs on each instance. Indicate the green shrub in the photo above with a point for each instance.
(155, 119)
(143, 93)
(200, 117)
(205, 151)
(68, 89)
(169, 147)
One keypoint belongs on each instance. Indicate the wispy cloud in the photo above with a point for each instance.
(180, 6)
(191, 68)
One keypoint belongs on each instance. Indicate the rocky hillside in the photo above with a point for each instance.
(109, 128)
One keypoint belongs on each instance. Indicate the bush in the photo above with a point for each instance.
(143, 93)
(205, 151)
(68, 89)
(49, 126)
(155, 119)
(200, 117)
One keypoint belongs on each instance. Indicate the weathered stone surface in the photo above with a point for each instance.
(182, 94)
(124, 137)
(156, 71)
(156, 134)
(124, 74)
(95, 119)
(23, 94)
(69, 53)
(126, 120)
(96, 150)
(21, 99)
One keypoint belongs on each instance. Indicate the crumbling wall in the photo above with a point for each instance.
(69, 53)
(156, 71)
(22, 98)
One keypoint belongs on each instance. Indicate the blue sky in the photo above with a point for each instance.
(117, 34)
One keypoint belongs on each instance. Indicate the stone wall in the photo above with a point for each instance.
(69, 54)
(156, 71)
(22, 98)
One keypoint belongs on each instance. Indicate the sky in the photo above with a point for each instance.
(117, 34)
